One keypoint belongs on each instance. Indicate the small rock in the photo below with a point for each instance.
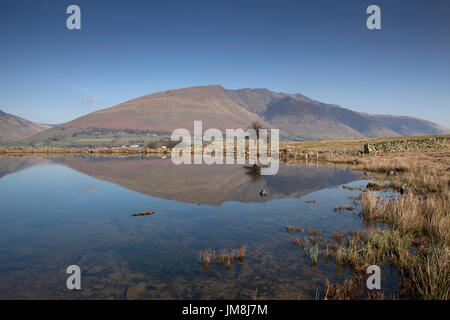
(263, 193)
(390, 173)
(145, 213)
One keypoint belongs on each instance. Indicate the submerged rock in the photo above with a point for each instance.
(144, 213)
(136, 291)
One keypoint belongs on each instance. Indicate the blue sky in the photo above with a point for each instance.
(322, 49)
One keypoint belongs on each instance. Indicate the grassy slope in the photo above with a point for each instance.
(71, 137)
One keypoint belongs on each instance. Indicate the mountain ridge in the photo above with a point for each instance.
(297, 116)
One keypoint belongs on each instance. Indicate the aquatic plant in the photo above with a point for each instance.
(224, 257)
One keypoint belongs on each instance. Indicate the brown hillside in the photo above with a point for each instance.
(296, 116)
(13, 128)
(169, 110)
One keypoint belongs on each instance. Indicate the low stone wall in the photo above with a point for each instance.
(407, 144)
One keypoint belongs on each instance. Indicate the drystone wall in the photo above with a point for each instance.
(409, 144)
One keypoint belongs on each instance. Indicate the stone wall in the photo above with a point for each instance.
(407, 144)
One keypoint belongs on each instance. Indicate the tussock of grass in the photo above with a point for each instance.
(223, 257)
(293, 229)
(411, 213)
(310, 247)
(352, 289)
(314, 232)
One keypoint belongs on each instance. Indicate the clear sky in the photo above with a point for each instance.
(322, 49)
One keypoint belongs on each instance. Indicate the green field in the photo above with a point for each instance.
(69, 137)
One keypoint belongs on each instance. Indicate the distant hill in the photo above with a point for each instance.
(297, 117)
(13, 128)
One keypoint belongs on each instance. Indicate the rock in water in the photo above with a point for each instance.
(263, 193)
(145, 213)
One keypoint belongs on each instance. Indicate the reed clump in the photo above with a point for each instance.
(352, 289)
(292, 229)
(314, 232)
(223, 257)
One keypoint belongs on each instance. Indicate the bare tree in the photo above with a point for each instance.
(255, 125)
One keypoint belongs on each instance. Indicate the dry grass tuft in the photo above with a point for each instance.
(293, 229)
(352, 289)
(223, 257)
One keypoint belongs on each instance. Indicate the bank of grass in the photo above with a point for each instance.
(417, 241)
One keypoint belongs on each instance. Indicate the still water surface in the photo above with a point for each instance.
(58, 212)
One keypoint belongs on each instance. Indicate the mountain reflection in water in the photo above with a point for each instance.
(60, 211)
(209, 184)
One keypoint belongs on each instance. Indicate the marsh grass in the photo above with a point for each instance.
(414, 236)
(312, 250)
(314, 232)
(352, 289)
(292, 229)
(224, 257)
(417, 240)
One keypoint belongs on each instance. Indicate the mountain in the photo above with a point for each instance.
(298, 118)
(13, 128)
(169, 110)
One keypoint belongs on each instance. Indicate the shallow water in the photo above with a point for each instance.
(58, 212)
